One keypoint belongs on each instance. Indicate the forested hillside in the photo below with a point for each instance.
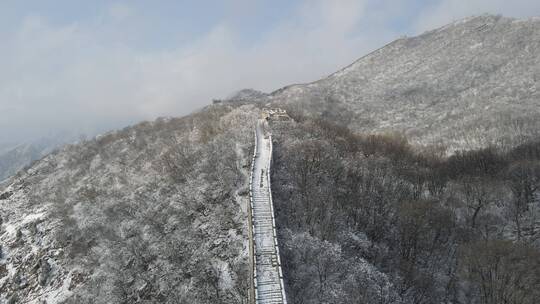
(154, 213)
(413, 175)
(472, 83)
(369, 218)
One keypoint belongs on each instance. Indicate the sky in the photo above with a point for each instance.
(77, 66)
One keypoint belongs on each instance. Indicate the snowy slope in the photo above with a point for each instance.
(468, 84)
(148, 213)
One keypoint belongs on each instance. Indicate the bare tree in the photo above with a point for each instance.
(479, 193)
(524, 181)
(502, 272)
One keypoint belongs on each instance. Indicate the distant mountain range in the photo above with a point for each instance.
(14, 157)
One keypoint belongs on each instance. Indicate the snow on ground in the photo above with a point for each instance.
(268, 269)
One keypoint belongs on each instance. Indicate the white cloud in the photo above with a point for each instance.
(72, 77)
(120, 11)
(87, 75)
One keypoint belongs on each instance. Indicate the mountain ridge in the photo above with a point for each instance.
(454, 23)
(424, 85)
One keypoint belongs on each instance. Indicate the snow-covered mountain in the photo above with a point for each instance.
(16, 156)
(152, 213)
(248, 95)
(471, 83)
(19, 156)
